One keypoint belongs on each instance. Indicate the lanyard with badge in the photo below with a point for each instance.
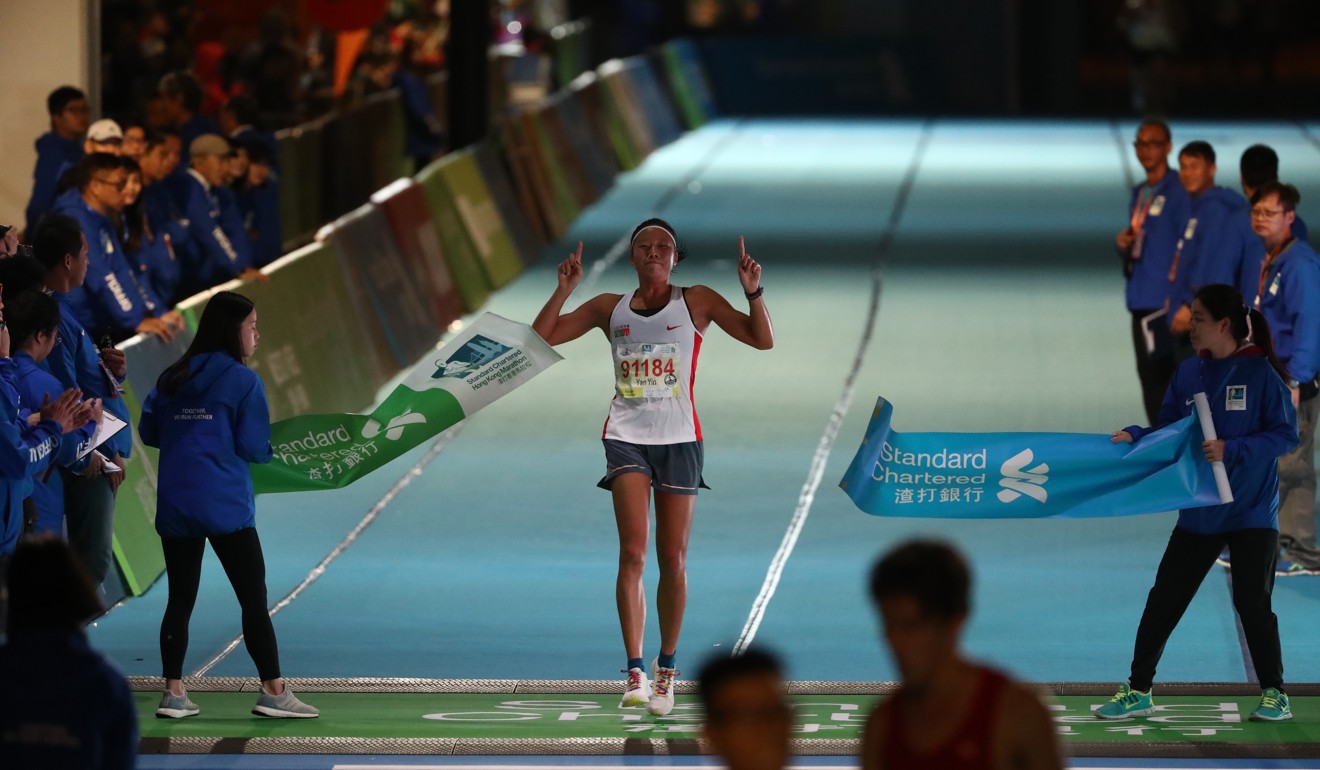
(1148, 204)
(1265, 271)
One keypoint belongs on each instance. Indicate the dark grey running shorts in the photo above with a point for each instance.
(673, 468)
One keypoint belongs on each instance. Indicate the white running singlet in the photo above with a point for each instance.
(655, 366)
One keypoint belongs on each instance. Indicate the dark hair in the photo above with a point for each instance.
(1199, 149)
(59, 99)
(721, 670)
(91, 165)
(217, 332)
(257, 151)
(153, 137)
(1259, 164)
(134, 215)
(1245, 324)
(49, 589)
(1156, 123)
(244, 108)
(20, 274)
(929, 571)
(56, 236)
(184, 85)
(1289, 197)
(31, 312)
(679, 249)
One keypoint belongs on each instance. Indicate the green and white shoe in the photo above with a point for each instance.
(1127, 702)
(1273, 707)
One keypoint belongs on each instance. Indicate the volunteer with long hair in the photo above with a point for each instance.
(1254, 417)
(653, 442)
(208, 415)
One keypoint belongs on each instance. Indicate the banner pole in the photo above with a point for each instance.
(1208, 430)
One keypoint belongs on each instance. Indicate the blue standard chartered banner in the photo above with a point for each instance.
(1026, 475)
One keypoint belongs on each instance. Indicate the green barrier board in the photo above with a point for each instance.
(608, 122)
(568, 186)
(687, 81)
(626, 106)
(404, 204)
(481, 218)
(136, 546)
(308, 333)
(460, 253)
(496, 175)
(531, 182)
(1181, 726)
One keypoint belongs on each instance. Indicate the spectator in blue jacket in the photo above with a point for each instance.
(63, 706)
(111, 302)
(57, 149)
(209, 417)
(1157, 213)
(75, 360)
(1214, 248)
(1260, 164)
(218, 255)
(33, 320)
(148, 253)
(164, 216)
(1254, 417)
(1289, 296)
(259, 202)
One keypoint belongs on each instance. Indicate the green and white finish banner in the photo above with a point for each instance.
(484, 362)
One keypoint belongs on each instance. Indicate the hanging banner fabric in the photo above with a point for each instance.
(1026, 475)
(484, 362)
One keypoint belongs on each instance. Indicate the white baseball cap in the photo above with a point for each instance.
(105, 131)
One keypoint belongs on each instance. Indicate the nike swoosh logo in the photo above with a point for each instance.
(1191, 401)
(671, 328)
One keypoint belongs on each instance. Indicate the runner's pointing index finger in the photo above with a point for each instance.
(742, 249)
(577, 256)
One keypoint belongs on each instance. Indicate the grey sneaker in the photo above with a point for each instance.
(176, 706)
(285, 705)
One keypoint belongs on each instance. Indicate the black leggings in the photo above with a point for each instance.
(1187, 559)
(240, 554)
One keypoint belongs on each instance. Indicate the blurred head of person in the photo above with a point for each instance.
(182, 95)
(228, 325)
(922, 591)
(1259, 164)
(749, 721)
(69, 113)
(1273, 211)
(1153, 144)
(1196, 167)
(49, 589)
(160, 158)
(33, 318)
(135, 141)
(61, 248)
(209, 155)
(101, 179)
(106, 136)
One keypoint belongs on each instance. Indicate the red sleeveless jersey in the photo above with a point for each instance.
(970, 748)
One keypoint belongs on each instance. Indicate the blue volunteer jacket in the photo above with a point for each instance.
(75, 362)
(24, 452)
(34, 386)
(208, 432)
(1253, 413)
(1290, 300)
(1170, 208)
(110, 301)
(216, 256)
(260, 207)
(72, 697)
(1216, 247)
(54, 155)
(165, 218)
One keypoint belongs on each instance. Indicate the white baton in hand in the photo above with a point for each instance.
(1208, 430)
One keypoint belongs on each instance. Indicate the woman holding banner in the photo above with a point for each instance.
(653, 442)
(1256, 422)
(208, 415)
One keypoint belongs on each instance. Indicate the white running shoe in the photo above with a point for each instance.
(662, 694)
(283, 706)
(636, 691)
(176, 706)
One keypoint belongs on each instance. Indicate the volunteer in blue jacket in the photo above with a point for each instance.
(1157, 214)
(1289, 296)
(57, 149)
(33, 321)
(110, 302)
(1254, 417)
(58, 689)
(1214, 247)
(208, 415)
(218, 256)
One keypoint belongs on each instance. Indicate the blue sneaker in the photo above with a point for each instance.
(1273, 707)
(1289, 568)
(1127, 702)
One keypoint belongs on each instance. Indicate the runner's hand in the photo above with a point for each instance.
(570, 271)
(749, 270)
